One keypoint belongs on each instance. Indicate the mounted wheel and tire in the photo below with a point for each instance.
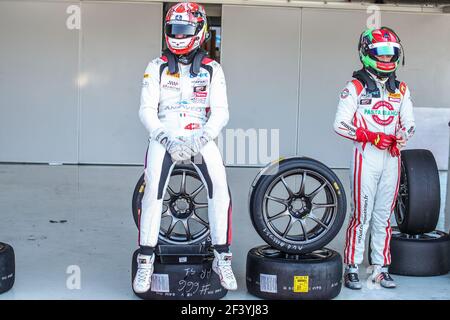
(7, 267)
(184, 217)
(425, 254)
(297, 205)
(418, 202)
(182, 282)
(272, 274)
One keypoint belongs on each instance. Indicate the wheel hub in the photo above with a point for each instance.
(300, 207)
(181, 208)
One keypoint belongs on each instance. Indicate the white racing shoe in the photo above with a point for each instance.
(222, 266)
(143, 279)
(381, 276)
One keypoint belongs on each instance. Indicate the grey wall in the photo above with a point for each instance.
(284, 67)
(118, 40)
(72, 96)
(260, 57)
(329, 56)
(38, 75)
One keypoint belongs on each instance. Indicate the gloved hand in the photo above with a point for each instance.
(174, 145)
(394, 150)
(379, 139)
(197, 141)
(401, 139)
(179, 152)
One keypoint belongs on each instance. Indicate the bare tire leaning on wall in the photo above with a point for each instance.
(297, 205)
(272, 274)
(184, 217)
(418, 200)
(7, 267)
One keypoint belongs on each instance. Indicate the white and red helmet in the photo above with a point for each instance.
(185, 27)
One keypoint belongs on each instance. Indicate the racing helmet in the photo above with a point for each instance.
(185, 27)
(380, 42)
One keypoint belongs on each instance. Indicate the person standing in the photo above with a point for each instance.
(376, 112)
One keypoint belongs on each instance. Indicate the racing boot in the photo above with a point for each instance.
(222, 266)
(143, 278)
(380, 275)
(351, 277)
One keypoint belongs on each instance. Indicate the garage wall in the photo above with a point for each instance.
(38, 83)
(284, 67)
(329, 57)
(118, 40)
(261, 59)
(72, 95)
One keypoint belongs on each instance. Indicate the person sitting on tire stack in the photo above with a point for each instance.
(376, 112)
(184, 107)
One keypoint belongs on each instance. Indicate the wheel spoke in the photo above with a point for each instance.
(196, 218)
(166, 213)
(315, 192)
(170, 191)
(303, 230)
(289, 227)
(322, 205)
(279, 215)
(287, 187)
(197, 191)
(187, 229)
(173, 223)
(317, 220)
(199, 205)
(276, 199)
(302, 185)
(183, 183)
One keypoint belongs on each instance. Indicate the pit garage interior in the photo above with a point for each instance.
(72, 146)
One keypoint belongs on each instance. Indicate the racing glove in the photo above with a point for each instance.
(174, 146)
(196, 142)
(379, 139)
(394, 151)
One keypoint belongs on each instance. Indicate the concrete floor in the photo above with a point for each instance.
(100, 236)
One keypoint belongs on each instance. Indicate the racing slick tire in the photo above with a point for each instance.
(194, 216)
(273, 274)
(425, 254)
(312, 203)
(7, 267)
(418, 202)
(182, 281)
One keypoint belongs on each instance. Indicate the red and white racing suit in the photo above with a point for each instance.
(374, 173)
(182, 104)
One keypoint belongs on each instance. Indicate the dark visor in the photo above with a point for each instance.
(180, 29)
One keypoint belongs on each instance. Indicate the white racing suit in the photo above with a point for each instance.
(183, 104)
(374, 173)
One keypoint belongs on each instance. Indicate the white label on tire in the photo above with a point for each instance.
(268, 283)
(160, 282)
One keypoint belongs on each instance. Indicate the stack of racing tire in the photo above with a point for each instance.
(417, 248)
(7, 267)
(183, 262)
(297, 206)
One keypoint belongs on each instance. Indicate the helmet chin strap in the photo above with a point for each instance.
(368, 79)
(193, 58)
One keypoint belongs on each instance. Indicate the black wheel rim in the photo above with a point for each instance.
(270, 252)
(436, 234)
(184, 217)
(301, 207)
(401, 207)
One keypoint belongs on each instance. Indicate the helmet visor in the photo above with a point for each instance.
(180, 29)
(384, 49)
